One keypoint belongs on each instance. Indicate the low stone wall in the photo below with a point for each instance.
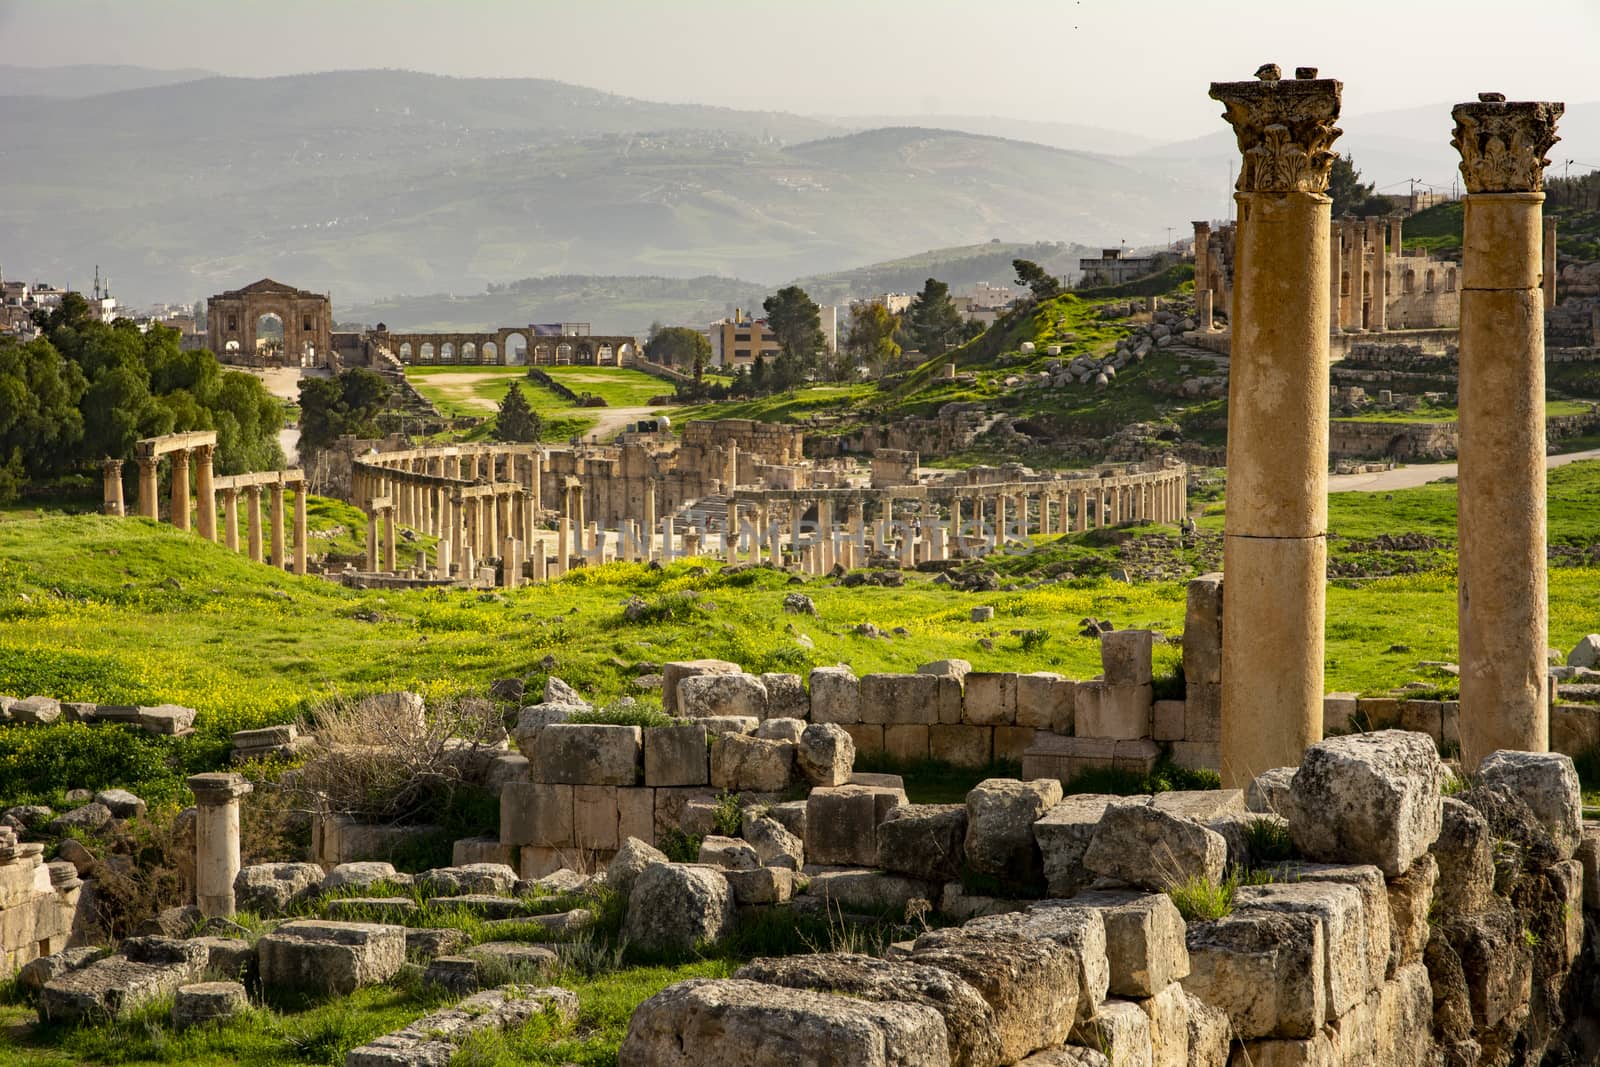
(1352, 439)
(167, 719)
(1390, 936)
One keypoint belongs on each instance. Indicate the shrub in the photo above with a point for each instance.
(1267, 841)
(1199, 900)
(386, 759)
(626, 712)
(38, 762)
(679, 846)
(729, 817)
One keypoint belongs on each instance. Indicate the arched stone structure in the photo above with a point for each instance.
(307, 318)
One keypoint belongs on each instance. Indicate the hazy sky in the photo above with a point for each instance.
(1141, 65)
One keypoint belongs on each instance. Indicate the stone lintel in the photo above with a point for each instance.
(154, 447)
(1503, 143)
(1284, 130)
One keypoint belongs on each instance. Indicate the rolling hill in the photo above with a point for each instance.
(366, 183)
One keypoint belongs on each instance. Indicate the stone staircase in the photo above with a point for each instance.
(709, 513)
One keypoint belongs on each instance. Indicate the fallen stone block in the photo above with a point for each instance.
(433, 1040)
(1063, 834)
(205, 1002)
(825, 754)
(363, 874)
(1144, 933)
(925, 841)
(763, 885)
(1031, 985)
(1000, 817)
(1265, 969)
(322, 957)
(629, 862)
(870, 891)
(145, 969)
(270, 888)
(676, 908)
(1080, 930)
(775, 846)
(1145, 846)
(1338, 908)
(1368, 798)
(167, 719)
(969, 1021)
(737, 1023)
(842, 823)
(494, 878)
(729, 853)
(1548, 783)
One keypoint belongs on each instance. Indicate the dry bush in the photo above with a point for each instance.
(389, 759)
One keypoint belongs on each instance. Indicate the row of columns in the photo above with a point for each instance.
(203, 508)
(1275, 537)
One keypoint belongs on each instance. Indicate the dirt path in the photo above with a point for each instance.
(614, 420)
(284, 382)
(1423, 473)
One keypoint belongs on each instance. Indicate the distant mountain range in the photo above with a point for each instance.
(368, 183)
(180, 184)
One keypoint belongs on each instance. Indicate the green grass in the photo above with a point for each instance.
(1445, 413)
(126, 611)
(619, 387)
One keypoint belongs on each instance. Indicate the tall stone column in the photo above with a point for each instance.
(1204, 314)
(1379, 294)
(216, 839)
(650, 519)
(180, 488)
(111, 469)
(1550, 269)
(230, 518)
(1275, 538)
(389, 561)
(1337, 317)
(205, 494)
(300, 534)
(1202, 261)
(252, 496)
(1355, 253)
(372, 541)
(277, 524)
(147, 486)
(1396, 222)
(1502, 591)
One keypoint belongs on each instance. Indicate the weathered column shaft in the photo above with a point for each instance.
(180, 488)
(216, 840)
(1336, 301)
(147, 487)
(111, 469)
(230, 519)
(205, 493)
(276, 489)
(389, 553)
(1503, 595)
(300, 534)
(1274, 547)
(252, 496)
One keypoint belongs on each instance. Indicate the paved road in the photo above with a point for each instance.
(1423, 473)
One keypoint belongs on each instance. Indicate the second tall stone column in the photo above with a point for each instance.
(1275, 547)
(1502, 590)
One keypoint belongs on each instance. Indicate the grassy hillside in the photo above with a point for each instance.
(100, 609)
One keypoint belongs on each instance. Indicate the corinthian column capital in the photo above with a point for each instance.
(1284, 129)
(1502, 144)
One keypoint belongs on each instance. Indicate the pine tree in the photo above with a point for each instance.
(517, 421)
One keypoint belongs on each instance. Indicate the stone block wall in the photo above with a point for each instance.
(38, 902)
(1388, 938)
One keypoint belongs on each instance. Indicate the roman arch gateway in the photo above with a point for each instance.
(233, 318)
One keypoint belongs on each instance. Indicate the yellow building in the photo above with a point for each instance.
(736, 342)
